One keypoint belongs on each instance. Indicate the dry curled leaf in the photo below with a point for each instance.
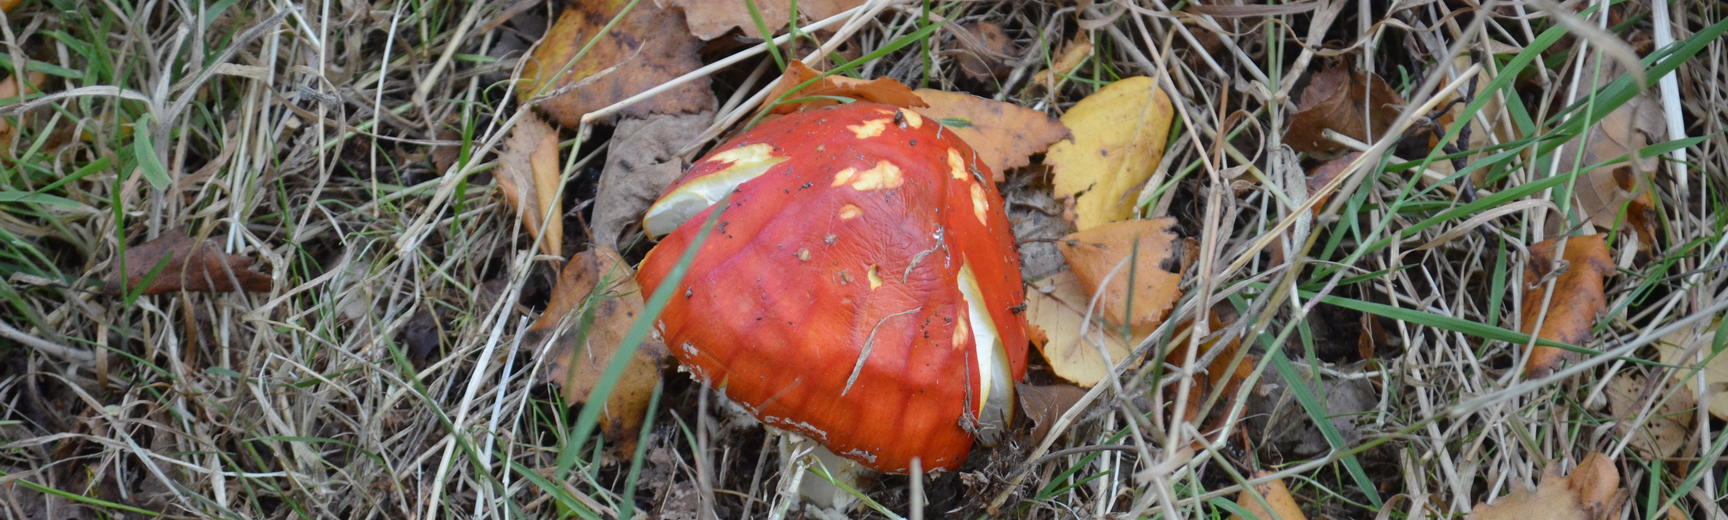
(1324, 173)
(186, 265)
(1079, 349)
(528, 176)
(1578, 296)
(1278, 505)
(1218, 378)
(642, 159)
(1694, 347)
(1664, 432)
(1119, 137)
(709, 19)
(884, 90)
(602, 280)
(1591, 492)
(1620, 194)
(984, 45)
(1004, 135)
(1073, 54)
(1148, 252)
(1347, 101)
(1045, 404)
(636, 55)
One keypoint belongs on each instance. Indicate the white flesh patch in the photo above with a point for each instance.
(745, 163)
(996, 405)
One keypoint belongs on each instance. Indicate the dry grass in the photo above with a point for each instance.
(383, 377)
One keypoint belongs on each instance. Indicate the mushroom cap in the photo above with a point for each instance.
(861, 288)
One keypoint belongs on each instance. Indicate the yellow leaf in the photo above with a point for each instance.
(1674, 349)
(528, 175)
(1283, 506)
(1057, 306)
(1119, 136)
(1591, 492)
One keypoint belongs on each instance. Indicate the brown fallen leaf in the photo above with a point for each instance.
(1073, 54)
(1324, 173)
(1664, 433)
(528, 176)
(7, 5)
(1591, 492)
(599, 276)
(709, 19)
(636, 55)
(1004, 135)
(187, 265)
(1620, 194)
(1119, 136)
(1578, 296)
(883, 90)
(1045, 404)
(1148, 252)
(1343, 100)
(642, 159)
(1277, 496)
(1714, 369)
(984, 45)
(1056, 307)
(1218, 378)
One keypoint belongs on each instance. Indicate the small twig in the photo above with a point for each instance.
(921, 255)
(869, 341)
(78, 356)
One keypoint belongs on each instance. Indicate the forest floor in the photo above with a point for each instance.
(300, 260)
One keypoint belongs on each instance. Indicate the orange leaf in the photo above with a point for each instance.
(886, 91)
(188, 265)
(1282, 505)
(616, 303)
(1591, 492)
(1349, 102)
(1578, 296)
(636, 55)
(10, 91)
(1148, 252)
(1004, 135)
(528, 176)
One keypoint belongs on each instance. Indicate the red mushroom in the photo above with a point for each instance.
(862, 288)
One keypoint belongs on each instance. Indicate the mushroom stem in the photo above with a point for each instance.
(833, 494)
